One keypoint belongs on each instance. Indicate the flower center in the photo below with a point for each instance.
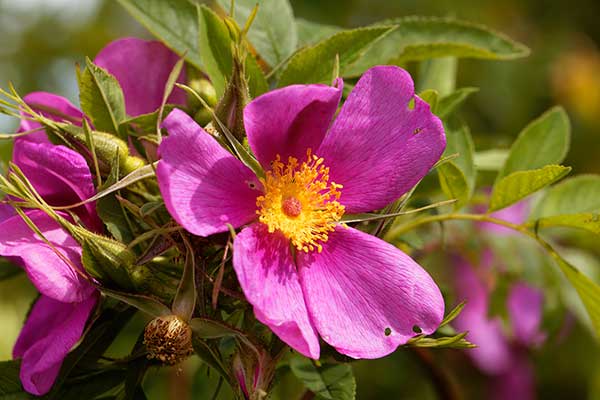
(300, 202)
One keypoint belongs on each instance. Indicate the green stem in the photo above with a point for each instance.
(474, 217)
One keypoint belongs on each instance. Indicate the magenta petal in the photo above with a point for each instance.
(51, 275)
(204, 186)
(267, 274)
(516, 383)
(290, 120)
(51, 106)
(6, 212)
(493, 354)
(142, 68)
(525, 306)
(49, 333)
(60, 175)
(378, 148)
(365, 296)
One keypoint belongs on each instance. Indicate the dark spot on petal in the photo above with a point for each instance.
(418, 130)
(417, 329)
(388, 331)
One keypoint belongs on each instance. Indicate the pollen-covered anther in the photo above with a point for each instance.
(300, 202)
(168, 339)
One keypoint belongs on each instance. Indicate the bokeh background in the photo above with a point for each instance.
(42, 40)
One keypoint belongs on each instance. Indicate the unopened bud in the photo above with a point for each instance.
(168, 339)
(206, 91)
(203, 116)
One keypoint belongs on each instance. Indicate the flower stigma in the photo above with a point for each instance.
(300, 202)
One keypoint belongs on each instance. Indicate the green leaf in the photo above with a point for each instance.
(452, 314)
(449, 103)
(314, 64)
(146, 304)
(490, 160)
(588, 290)
(101, 98)
(310, 32)
(185, 297)
(329, 381)
(430, 96)
(420, 38)
(459, 141)
(438, 74)
(580, 194)
(10, 384)
(91, 385)
(451, 342)
(544, 141)
(112, 214)
(273, 32)
(521, 184)
(454, 183)
(587, 221)
(205, 328)
(172, 21)
(215, 48)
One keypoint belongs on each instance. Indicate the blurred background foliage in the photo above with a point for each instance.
(42, 40)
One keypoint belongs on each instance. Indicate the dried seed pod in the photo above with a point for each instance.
(168, 339)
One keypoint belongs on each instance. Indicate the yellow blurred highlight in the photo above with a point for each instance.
(16, 296)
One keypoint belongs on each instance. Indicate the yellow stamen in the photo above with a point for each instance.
(300, 202)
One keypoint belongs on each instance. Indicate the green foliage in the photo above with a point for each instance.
(454, 183)
(438, 74)
(521, 184)
(327, 381)
(172, 21)
(315, 64)
(310, 32)
(420, 38)
(588, 291)
(587, 221)
(273, 32)
(580, 194)
(457, 177)
(101, 98)
(449, 103)
(544, 141)
(215, 48)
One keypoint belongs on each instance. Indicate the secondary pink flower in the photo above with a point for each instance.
(501, 355)
(56, 322)
(304, 272)
(142, 68)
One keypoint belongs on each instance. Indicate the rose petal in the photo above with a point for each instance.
(52, 106)
(49, 333)
(365, 296)
(493, 354)
(6, 212)
(46, 270)
(516, 383)
(204, 186)
(268, 277)
(142, 68)
(378, 148)
(290, 120)
(525, 305)
(60, 175)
